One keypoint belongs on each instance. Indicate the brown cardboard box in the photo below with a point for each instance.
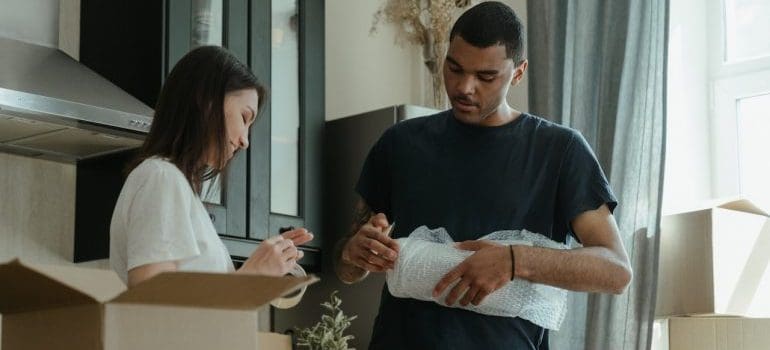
(715, 333)
(57, 307)
(714, 261)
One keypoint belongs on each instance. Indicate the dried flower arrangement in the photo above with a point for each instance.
(426, 23)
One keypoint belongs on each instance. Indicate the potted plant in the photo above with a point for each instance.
(328, 333)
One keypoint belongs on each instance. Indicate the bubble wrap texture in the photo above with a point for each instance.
(427, 255)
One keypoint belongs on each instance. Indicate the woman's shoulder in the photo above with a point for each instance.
(156, 169)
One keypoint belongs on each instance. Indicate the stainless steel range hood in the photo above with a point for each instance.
(53, 107)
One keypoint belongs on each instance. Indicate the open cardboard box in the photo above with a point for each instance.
(715, 261)
(62, 307)
(712, 333)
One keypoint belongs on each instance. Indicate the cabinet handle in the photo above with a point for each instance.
(213, 217)
(285, 229)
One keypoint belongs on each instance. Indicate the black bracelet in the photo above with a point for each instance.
(513, 263)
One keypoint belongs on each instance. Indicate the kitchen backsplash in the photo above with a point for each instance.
(37, 211)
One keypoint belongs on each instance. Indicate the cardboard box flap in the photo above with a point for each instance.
(743, 205)
(99, 284)
(27, 289)
(212, 290)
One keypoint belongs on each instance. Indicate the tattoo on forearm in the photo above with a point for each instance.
(362, 216)
(351, 273)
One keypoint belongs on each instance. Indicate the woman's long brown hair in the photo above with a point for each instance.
(189, 118)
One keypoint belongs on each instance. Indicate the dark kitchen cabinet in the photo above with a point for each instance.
(135, 44)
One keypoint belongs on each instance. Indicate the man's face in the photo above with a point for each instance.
(477, 81)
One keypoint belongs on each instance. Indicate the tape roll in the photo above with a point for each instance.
(293, 298)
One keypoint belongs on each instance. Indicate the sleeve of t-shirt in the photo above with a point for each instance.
(582, 183)
(374, 182)
(159, 225)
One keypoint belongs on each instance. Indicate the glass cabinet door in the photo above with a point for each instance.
(195, 23)
(206, 29)
(212, 191)
(284, 168)
(284, 129)
(206, 23)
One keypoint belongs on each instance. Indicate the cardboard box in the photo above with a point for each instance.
(714, 333)
(714, 261)
(58, 307)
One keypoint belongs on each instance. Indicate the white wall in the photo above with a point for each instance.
(33, 21)
(687, 179)
(366, 72)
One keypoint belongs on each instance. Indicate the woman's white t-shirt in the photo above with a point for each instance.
(158, 218)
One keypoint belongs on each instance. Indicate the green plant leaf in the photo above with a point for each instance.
(328, 333)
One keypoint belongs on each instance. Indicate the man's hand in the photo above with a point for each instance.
(371, 247)
(482, 273)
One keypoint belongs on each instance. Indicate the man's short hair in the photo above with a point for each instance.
(492, 23)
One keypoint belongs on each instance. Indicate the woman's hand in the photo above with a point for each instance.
(299, 236)
(277, 255)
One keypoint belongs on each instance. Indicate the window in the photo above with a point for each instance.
(718, 102)
(740, 81)
(285, 90)
(746, 26)
(753, 117)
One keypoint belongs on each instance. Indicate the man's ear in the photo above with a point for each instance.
(518, 72)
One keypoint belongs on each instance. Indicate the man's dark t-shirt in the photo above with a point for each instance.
(436, 171)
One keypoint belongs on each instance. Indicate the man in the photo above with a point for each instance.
(480, 167)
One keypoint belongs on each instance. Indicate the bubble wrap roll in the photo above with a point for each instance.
(427, 255)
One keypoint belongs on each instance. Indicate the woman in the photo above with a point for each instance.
(202, 118)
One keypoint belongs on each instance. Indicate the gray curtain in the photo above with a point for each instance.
(599, 66)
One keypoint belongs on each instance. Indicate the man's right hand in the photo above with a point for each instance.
(371, 247)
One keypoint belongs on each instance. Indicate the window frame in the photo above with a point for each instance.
(263, 223)
(729, 82)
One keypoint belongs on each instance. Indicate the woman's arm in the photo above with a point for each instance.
(274, 257)
(142, 273)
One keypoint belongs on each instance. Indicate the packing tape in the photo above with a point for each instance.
(293, 298)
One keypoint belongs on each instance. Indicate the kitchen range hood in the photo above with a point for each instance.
(53, 107)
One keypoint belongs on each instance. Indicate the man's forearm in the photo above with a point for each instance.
(589, 269)
(346, 271)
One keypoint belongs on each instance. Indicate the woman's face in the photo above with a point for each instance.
(240, 112)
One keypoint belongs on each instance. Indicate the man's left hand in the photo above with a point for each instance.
(480, 274)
